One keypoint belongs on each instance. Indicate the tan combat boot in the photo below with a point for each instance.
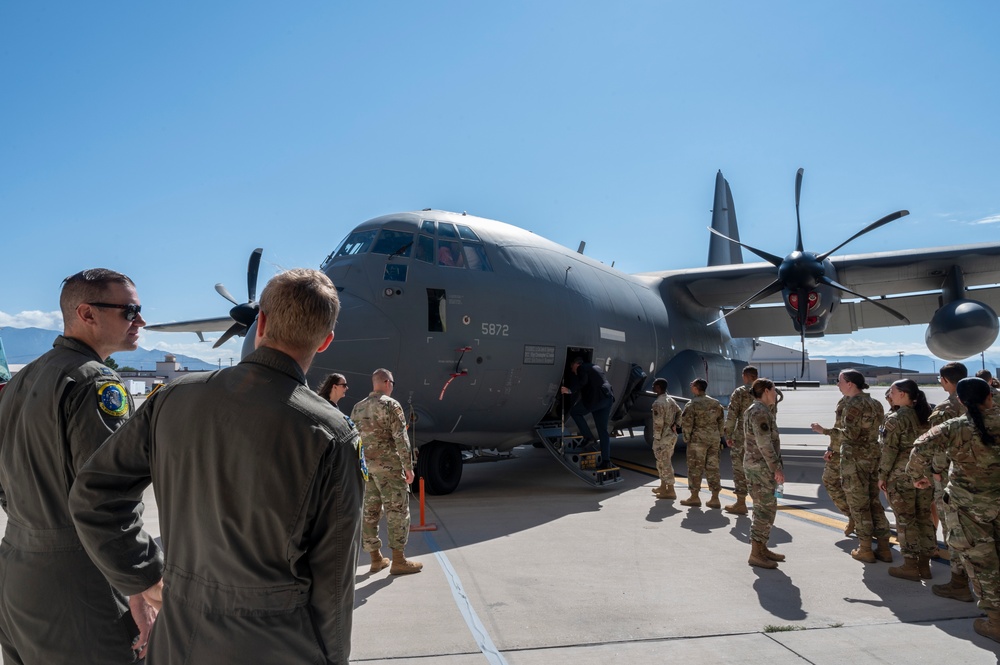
(884, 551)
(908, 571)
(924, 566)
(738, 508)
(758, 557)
(661, 488)
(403, 566)
(773, 556)
(379, 562)
(694, 500)
(666, 492)
(864, 551)
(957, 588)
(714, 501)
(849, 529)
(990, 626)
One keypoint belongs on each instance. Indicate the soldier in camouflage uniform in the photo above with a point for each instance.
(912, 506)
(666, 414)
(702, 422)
(380, 420)
(832, 480)
(957, 587)
(858, 425)
(739, 402)
(971, 444)
(764, 470)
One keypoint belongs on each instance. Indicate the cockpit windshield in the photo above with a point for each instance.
(438, 243)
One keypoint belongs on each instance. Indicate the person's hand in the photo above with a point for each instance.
(827, 456)
(882, 486)
(409, 477)
(779, 476)
(564, 390)
(922, 483)
(729, 443)
(816, 427)
(145, 607)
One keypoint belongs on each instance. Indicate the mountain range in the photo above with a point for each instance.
(23, 345)
(911, 362)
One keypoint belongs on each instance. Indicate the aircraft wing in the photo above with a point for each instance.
(196, 326)
(909, 280)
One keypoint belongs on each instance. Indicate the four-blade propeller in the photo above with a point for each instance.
(802, 271)
(245, 314)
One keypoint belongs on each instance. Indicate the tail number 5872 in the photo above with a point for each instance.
(496, 329)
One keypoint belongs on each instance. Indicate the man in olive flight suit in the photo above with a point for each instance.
(387, 449)
(258, 482)
(56, 605)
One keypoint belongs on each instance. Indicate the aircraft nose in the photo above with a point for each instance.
(364, 338)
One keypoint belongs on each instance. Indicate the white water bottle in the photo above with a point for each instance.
(779, 490)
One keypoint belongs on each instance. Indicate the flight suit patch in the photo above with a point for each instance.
(112, 399)
(361, 459)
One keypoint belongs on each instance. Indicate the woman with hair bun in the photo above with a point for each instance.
(914, 528)
(971, 444)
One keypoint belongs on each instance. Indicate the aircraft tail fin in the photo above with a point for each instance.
(721, 252)
(4, 369)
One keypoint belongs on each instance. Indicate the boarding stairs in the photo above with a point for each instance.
(583, 462)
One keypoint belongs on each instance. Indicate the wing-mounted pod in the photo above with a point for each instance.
(961, 327)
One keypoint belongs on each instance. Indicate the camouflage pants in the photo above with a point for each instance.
(947, 516)
(760, 480)
(977, 542)
(912, 508)
(703, 460)
(834, 484)
(739, 474)
(663, 450)
(385, 491)
(860, 477)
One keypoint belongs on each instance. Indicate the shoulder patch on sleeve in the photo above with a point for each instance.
(112, 399)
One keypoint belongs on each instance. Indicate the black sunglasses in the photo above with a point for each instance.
(131, 311)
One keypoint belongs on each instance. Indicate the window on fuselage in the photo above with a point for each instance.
(356, 243)
(393, 243)
(475, 257)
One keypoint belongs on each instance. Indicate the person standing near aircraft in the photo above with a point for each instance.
(912, 506)
(970, 445)
(56, 605)
(832, 480)
(739, 402)
(764, 470)
(259, 486)
(858, 426)
(333, 388)
(390, 471)
(957, 588)
(703, 421)
(588, 382)
(994, 385)
(666, 415)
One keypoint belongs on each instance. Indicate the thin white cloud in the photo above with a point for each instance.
(32, 319)
(855, 346)
(992, 219)
(187, 344)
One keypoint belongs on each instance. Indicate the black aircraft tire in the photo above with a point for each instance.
(440, 465)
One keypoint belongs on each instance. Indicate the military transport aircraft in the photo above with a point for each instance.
(479, 321)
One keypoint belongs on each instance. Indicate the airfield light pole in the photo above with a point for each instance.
(982, 357)
(900, 364)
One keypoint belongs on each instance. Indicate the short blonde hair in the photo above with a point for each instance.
(301, 306)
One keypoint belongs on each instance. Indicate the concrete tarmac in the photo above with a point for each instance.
(528, 566)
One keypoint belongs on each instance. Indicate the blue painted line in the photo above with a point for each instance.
(479, 634)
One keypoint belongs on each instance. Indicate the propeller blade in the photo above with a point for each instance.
(802, 338)
(830, 282)
(770, 258)
(224, 292)
(801, 314)
(798, 222)
(871, 227)
(770, 289)
(252, 268)
(234, 329)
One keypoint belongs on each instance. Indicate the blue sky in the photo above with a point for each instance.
(167, 140)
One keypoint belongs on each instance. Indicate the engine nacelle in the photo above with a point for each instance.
(961, 329)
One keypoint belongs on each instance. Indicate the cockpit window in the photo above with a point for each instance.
(467, 233)
(425, 248)
(446, 230)
(450, 254)
(427, 226)
(356, 243)
(475, 257)
(393, 243)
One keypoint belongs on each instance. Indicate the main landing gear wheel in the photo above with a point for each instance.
(440, 465)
